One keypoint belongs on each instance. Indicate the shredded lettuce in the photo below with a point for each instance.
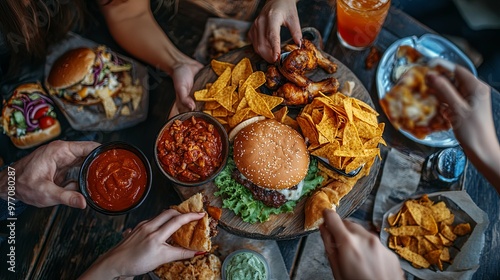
(240, 200)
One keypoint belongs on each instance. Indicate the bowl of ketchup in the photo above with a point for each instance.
(115, 178)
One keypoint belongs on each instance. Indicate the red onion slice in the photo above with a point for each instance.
(46, 98)
(17, 108)
(36, 108)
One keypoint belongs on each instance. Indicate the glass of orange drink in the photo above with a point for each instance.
(359, 21)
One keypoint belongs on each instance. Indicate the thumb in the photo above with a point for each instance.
(446, 92)
(68, 196)
(178, 253)
(189, 103)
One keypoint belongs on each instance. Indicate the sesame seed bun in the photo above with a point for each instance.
(71, 68)
(271, 155)
(36, 138)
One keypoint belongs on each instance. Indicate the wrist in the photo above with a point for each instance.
(173, 58)
(102, 268)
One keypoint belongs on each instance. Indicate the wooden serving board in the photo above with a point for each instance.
(289, 225)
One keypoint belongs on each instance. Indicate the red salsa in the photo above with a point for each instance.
(116, 179)
(190, 150)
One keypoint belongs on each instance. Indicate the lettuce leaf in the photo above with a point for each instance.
(240, 200)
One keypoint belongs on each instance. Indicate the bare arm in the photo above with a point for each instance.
(471, 115)
(135, 29)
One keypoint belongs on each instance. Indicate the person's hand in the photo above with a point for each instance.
(40, 174)
(469, 106)
(470, 113)
(183, 77)
(355, 253)
(265, 30)
(144, 248)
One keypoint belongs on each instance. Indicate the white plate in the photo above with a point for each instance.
(429, 45)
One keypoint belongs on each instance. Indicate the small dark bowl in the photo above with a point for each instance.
(82, 178)
(224, 139)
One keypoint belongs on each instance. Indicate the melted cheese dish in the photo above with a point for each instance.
(411, 105)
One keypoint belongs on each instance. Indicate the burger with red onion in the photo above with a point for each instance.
(268, 173)
(84, 75)
(28, 117)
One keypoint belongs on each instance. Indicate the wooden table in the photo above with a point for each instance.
(61, 242)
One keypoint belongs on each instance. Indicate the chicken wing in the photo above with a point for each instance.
(296, 64)
(322, 61)
(298, 61)
(274, 78)
(297, 95)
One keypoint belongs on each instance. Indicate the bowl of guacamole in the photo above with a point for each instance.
(245, 264)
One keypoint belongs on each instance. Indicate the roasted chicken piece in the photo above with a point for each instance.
(295, 64)
(298, 61)
(289, 47)
(274, 78)
(323, 62)
(297, 95)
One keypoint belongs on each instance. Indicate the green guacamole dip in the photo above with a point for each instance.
(244, 265)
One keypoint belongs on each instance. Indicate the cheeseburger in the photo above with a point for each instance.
(84, 75)
(268, 172)
(271, 161)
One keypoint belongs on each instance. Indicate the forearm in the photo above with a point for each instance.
(487, 161)
(139, 34)
(100, 269)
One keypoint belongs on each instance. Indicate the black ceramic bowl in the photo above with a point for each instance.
(225, 146)
(84, 171)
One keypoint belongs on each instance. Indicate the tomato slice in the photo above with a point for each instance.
(46, 122)
(40, 113)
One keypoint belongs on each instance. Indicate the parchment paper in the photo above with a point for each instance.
(93, 117)
(201, 52)
(466, 251)
(400, 178)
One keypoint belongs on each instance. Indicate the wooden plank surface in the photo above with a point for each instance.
(31, 232)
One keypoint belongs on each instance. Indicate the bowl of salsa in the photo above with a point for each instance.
(115, 178)
(191, 149)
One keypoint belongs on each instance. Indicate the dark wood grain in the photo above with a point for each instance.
(31, 232)
(75, 230)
